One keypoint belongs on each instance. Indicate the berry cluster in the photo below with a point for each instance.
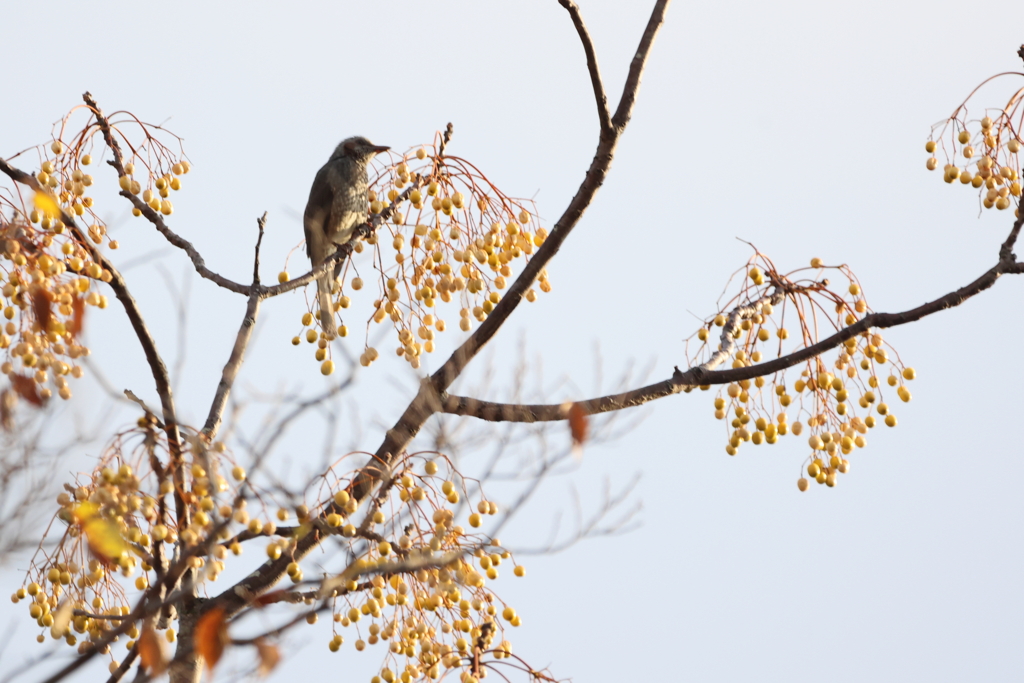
(47, 272)
(432, 618)
(982, 154)
(433, 615)
(829, 394)
(451, 236)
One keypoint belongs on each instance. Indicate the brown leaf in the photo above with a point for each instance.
(27, 388)
(77, 316)
(41, 308)
(8, 399)
(578, 424)
(269, 656)
(211, 635)
(151, 651)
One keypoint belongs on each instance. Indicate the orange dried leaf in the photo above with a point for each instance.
(211, 635)
(77, 316)
(269, 656)
(578, 424)
(27, 388)
(151, 651)
(8, 399)
(41, 308)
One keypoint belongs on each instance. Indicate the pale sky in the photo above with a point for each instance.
(797, 126)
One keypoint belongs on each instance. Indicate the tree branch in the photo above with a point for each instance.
(427, 400)
(183, 244)
(636, 68)
(603, 114)
(704, 374)
(231, 368)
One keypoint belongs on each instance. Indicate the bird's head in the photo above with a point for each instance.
(358, 148)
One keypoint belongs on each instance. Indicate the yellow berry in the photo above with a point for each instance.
(929, 146)
(964, 137)
(931, 164)
(327, 367)
(801, 484)
(282, 277)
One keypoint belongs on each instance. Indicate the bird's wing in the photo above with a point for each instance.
(317, 214)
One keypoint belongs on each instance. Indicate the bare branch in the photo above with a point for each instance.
(704, 374)
(177, 240)
(636, 68)
(231, 368)
(603, 114)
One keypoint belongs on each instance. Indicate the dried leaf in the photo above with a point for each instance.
(45, 202)
(77, 316)
(269, 656)
(211, 635)
(8, 399)
(62, 617)
(151, 651)
(27, 388)
(41, 308)
(578, 424)
(103, 535)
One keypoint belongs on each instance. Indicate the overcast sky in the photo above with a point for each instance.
(798, 126)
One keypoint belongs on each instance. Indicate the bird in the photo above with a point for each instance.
(338, 204)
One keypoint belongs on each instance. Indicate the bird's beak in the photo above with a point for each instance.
(377, 149)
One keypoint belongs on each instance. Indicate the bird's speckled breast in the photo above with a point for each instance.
(350, 198)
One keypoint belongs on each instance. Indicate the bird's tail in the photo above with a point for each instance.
(323, 288)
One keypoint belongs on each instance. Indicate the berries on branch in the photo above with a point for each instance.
(837, 398)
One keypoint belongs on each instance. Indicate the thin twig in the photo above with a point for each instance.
(234, 363)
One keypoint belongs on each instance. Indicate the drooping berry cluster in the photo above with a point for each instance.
(829, 393)
(982, 154)
(454, 238)
(433, 615)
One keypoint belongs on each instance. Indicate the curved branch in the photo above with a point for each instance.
(636, 68)
(603, 114)
(183, 244)
(118, 163)
(702, 375)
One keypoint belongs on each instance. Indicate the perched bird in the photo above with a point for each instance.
(337, 205)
